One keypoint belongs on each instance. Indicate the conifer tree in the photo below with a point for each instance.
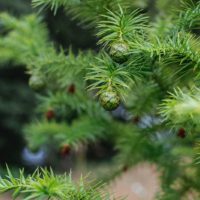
(147, 63)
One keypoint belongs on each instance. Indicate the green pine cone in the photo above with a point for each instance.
(118, 52)
(37, 82)
(109, 100)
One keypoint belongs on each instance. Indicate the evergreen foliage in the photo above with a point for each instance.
(44, 184)
(156, 76)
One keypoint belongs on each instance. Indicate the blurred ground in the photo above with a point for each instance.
(138, 183)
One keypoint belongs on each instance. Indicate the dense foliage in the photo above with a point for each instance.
(146, 64)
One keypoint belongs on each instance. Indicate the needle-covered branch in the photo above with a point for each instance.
(182, 107)
(44, 184)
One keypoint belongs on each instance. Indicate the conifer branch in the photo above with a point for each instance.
(82, 130)
(44, 184)
(182, 107)
(190, 17)
(105, 74)
(119, 26)
(53, 4)
(22, 43)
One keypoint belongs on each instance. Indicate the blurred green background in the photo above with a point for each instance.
(17, 100)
